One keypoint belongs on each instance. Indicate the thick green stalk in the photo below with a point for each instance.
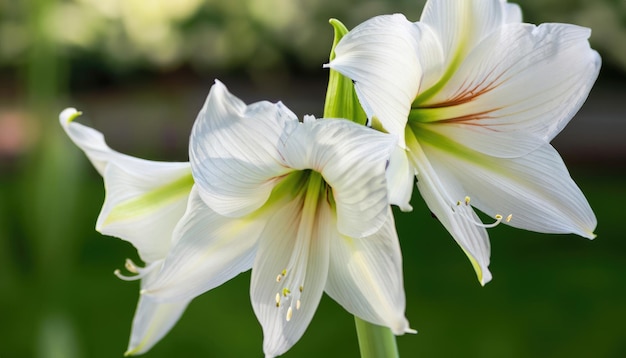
(375, 341)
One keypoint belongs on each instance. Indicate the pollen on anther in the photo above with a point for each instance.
(130, 266)
(277, 299)
(289, 314)
(286, 291)
(508, 218)
(278, 278)
(301, 288)
(498, 217)
(467, 200)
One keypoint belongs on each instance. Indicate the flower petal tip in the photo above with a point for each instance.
(131, 351)
(483, 274)
(68, 115)
(405, 208)
(484, 278)
(590, 235)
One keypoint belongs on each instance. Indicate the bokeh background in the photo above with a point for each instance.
(140, 70)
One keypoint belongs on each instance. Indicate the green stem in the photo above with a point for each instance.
(375, 341)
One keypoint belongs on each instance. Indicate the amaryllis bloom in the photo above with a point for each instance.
(476, 96)
(144, 202)
(304, 204)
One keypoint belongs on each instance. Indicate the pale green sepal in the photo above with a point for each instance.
(341, 99)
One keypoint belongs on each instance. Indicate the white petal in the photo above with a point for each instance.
(295, 243)
(441, 195)
(516, 90)
(536, 189)
(365, 277)
(233, 151)
(144, 199)
(208, 250)
(461, 24)
(352, 159)
(381, 56)
(152, 321)
(143, 207)
(512, 12)
(400, 176)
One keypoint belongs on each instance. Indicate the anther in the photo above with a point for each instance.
(130, 266)
(289, 314)
(277, 299)
(508, 218)
(278, 278)
(467, 200)
(297, 304)
(286, 291)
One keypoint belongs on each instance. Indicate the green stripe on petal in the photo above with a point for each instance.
(432, 91)
(150, 201)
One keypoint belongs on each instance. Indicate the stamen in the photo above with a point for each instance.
(285, 297)
(469, 217)
(139, 272)
(498, 218)
(119, 275)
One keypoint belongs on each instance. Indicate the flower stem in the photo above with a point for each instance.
(375, 341)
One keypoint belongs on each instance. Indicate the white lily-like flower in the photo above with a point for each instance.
(476, 96)
(144, 202)
(302, 203)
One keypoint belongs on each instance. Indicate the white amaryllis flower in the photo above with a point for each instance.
(476, 96)
(302, 203)
(144, 202)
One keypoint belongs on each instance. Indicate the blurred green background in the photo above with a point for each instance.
(140, 70)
